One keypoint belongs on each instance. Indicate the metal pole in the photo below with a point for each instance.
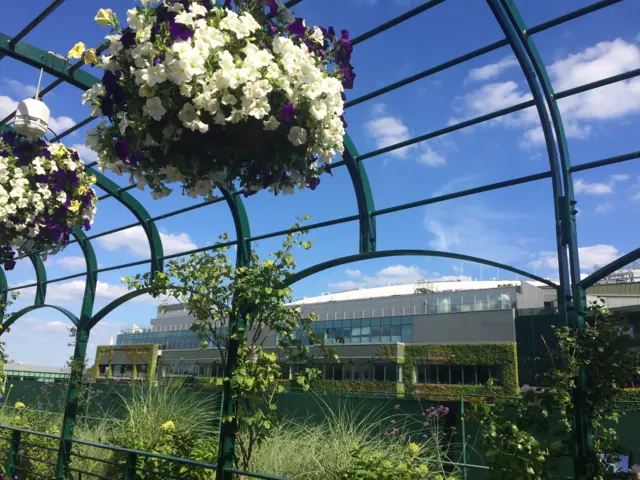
(14, 448)
(71, 408)
(463, 432)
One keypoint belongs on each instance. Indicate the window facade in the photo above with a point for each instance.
(362, 330)
(379, 372)
(177, 340)
(444, 374)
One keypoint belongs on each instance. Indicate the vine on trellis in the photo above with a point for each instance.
(604, 350)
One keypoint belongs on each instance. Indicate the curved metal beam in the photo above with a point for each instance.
(513, 35)
(145, 219)
(307, 272)
(364, 196)
(608, 269)
(92, 276)
(50, 62)
(107, 309)
(15, 316)
(41, 279)
(241, 222)
(4, 287)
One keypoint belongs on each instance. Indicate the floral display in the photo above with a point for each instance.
(199, 93)
(44, 194)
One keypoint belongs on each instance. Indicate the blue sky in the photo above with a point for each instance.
(513, 225)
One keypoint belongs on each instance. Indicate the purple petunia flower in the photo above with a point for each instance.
(128, 38)
(180, 31)
(136, 157)
(159, 59)
(297, 27)
(106, 105)
(122, 148)
(110, 81)
(344, 51)
(227, 4)
(9, 138)
(348, 76)
(46, 153)
(288, 113)
(119, 95)
(87, 225)
(273, 7)
(314, 182)
(4, 153)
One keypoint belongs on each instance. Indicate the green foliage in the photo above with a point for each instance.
(233, 306)
(343, 387)
(602, 353)
(503, 354)
(142, 353)
(374, 465)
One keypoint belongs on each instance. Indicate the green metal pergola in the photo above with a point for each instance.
(517, 35)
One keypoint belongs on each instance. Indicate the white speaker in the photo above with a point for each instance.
(32, 118)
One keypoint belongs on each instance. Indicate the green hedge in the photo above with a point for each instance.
(373, 389)
(503, 354)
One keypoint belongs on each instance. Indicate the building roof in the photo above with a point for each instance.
(21, 367)
(409, 289)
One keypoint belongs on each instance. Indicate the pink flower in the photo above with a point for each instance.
(393, 422)
(397, 407)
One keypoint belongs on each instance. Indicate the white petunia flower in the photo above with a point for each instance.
(153, 108)
(297, 136)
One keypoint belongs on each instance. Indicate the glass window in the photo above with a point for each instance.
(407, 333)
(396, 333)
(375, 332)
(338, 371)
(422, 374)
(396, 320)
(361, 371)
(432, 305)
(386, 333)
(407, 320)
(456, 374)
(468, 301)
(328, 371)
(385, 321)
(379, 373)
(432, 374)
(391, 373)
(444, 304)
(494, 300)
(444, 374)
(469, 374)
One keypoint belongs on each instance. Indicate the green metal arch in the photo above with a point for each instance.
(610, 268)
(20, 313)
(364, 196)
(41, 279)
(307, 272)
(92, 276)
(135, 207)
(241, 223)
(4, 288)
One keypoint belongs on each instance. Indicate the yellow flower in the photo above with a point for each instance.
(168, 426)
(90, 57)
(413, 448)
(19, 405)
(83, 189)
(104, 16)
(77, 50)
(75, 206)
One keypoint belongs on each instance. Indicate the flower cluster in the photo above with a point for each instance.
(44, 194)
(201, 94)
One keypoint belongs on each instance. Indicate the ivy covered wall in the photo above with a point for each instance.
(502, 354)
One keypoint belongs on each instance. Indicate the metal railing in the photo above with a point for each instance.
(27, 455)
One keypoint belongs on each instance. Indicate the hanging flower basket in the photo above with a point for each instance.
(199, 94)
(44, 194)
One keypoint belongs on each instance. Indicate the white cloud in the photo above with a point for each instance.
(387, 130)
(85, 153)
(599, 188)
(392, 275)
(431, 157)
(603, 208)
(580, 186)
(135, 240)
(22, 90)
(492, 70)
(73, 264)
(47, 326)
(589, 257)
(614, 101)
(69, 292)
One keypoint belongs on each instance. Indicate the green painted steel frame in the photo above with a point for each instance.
(571, 290)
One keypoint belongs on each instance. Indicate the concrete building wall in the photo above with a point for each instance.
(530, 296)
(474, 327)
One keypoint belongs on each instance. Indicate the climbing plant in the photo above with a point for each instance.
(242, 305)
(603, 352)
